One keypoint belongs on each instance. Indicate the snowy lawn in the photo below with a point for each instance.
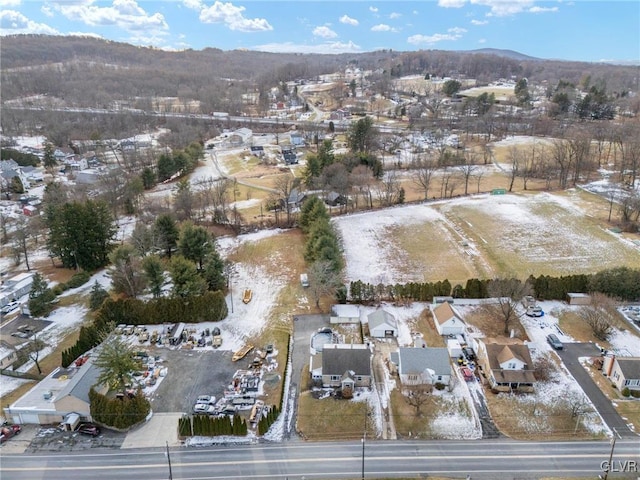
(481, 236)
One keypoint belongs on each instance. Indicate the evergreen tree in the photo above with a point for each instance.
(40, 296)
(195, 244)
(167, 233)
(97, 297)
(186, 281)
(154, 272)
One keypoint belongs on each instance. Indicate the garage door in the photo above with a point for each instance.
(29, 418)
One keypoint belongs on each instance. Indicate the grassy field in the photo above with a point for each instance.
(331, 419)
(539, 234)
(521, 419)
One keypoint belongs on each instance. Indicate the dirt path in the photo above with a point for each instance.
(380, 379)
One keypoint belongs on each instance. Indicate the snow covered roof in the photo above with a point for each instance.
(351, 311)
(381, 317)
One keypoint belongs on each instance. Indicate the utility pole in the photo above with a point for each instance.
(169, 460)
(613, 445)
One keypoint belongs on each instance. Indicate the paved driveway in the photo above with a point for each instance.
(304, 326)
(570, 357)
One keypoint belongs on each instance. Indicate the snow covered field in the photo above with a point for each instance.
(497, 235)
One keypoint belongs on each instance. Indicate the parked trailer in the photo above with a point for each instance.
(240, 354)
(246, 297)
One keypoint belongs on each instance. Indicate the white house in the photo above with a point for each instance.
(345, 314)
(64, 391)
(447, 320)
(422, 366)
(623, 371)
(15, 287)
(241, 136)
(382, 324)
(7, 356)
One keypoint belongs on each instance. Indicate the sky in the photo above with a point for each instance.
(582, 30)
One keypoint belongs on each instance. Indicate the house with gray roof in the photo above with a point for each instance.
(64, 391)
(422, 366)
(346, 365)
(624, 372)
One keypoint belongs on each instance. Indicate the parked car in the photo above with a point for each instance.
(467, 374)
(534, 311)
(90, 429)
(9, 431)
(554, 342)
(209, 399)
(204, 408)
(10, 307)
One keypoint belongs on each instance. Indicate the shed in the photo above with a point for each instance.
(578, 299)
(345, 314)
(454, 347)
(447, 320)
(382, 324)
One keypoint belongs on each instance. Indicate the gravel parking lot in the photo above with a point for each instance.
(192, 373)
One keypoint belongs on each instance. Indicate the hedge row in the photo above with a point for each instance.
(210, 307)
(121, 412)
(622, 283)
(206, 426)
(266, 421)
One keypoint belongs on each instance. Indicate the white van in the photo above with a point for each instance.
(304, 280)
(534, 311)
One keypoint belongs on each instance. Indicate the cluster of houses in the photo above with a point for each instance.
(505, 363)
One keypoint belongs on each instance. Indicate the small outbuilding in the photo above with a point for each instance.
(345, 314)
(578, 299)
(382, 324)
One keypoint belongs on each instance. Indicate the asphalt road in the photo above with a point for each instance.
(483, 459)
(570, 357)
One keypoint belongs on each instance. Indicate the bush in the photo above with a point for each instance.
(78, 280)
(635, 393)
(440, 386)
(626, 392)
(58, 289)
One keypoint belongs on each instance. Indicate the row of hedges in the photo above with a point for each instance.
(121, 412)
(266, 421)
(77, 280)
(622, 283)
(206, 426)
(210, 307)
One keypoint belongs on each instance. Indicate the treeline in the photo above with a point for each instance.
(622, 283)
(209, 307)
(266, 421)
(21, 158)
(322, 243)
(120, 412)
(206, 426)
(177, 162)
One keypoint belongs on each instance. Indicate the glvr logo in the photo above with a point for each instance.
(626, 466)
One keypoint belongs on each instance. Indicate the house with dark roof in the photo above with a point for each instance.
(624, 372)
(506, 364)
(382, 324)
(346, 366)
(422, 366)
(447, 320)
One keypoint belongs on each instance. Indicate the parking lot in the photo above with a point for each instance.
(20, 329)
(192, 373)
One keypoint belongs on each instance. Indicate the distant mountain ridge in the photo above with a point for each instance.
(512, 54)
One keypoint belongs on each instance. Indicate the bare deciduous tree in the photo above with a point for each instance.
(417, 396)
(508, 293)
(323, 280)
(600, 316)
(423, 170)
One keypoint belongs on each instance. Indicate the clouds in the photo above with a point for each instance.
(324, 32)
(500, 8)
(326, 48)
(479, 22)
(233, 17)
(125, 14)
(382, 27)
(14, 23)
(452, 34)
(347, 20)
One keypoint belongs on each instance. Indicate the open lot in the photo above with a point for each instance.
(191, 373)
(482, 236)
